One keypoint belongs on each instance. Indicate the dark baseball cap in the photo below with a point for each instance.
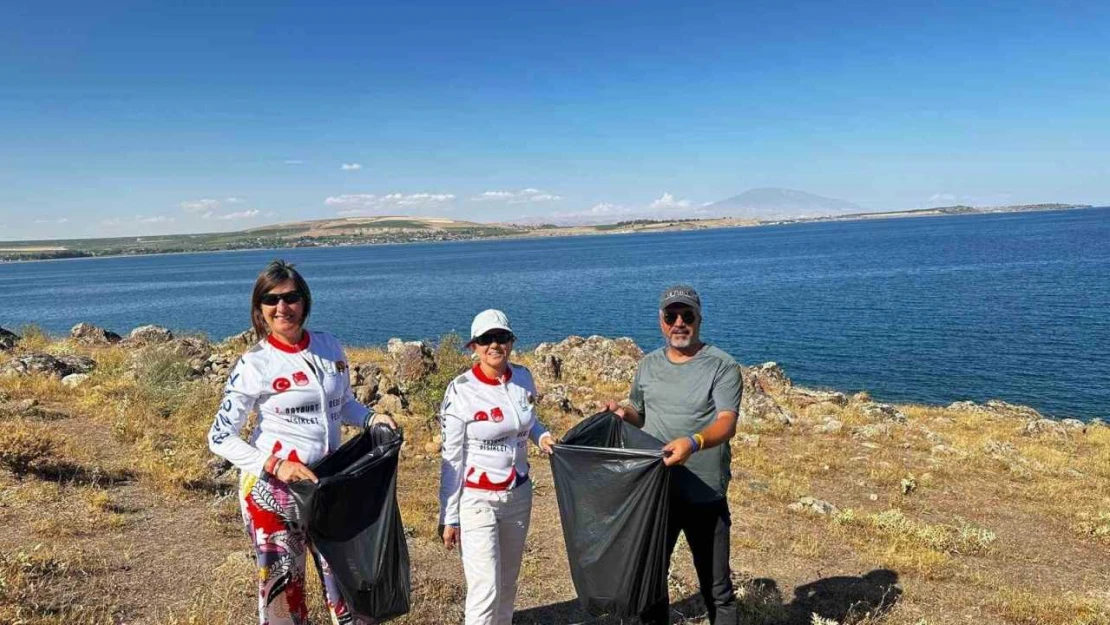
(680, 294)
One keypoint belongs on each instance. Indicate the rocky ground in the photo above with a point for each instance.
(845, 509)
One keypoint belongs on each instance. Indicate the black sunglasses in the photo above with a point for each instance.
(289, 297)
(688, 316)
(502, 337)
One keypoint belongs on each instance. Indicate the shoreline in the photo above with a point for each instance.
(528, 351)
(662, 226)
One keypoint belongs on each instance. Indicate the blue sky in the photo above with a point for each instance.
(143, 118)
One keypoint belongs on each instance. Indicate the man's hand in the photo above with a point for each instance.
(450, 536)
(384, 419)
(546, 442)
(290, 471)
(677, 451)
(626, 413)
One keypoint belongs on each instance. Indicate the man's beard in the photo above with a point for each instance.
(682, 341)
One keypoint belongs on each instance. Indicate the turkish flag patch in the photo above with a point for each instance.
(282, 384)
(299, 378)
(481, 416)
(497, 415)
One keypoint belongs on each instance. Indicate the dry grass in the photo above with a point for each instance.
(1025, 607)
(29, 447)
(33, 338)
(162, 415)
(41, 587)
(973, 516)
(1094, 525)
(81, 512)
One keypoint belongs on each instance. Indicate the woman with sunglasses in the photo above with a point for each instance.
(298, 383)
(488, 415)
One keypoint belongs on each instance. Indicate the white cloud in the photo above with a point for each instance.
(60, 220)
(247, 214)
(668, 202)
(234, 200)
(608, 208)
(942, 197)
(493, 195)
(543, 197)
(352, 166)
(598, 213)
(294, 161)
(370, 204)
(524, 196)
(156, 219)
(199, 206)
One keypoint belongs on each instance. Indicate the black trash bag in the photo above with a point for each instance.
(352, 518)
(613, 491)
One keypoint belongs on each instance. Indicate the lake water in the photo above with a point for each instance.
(931, 310)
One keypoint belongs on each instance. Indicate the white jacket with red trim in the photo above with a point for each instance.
(302, 393)
(486, 426)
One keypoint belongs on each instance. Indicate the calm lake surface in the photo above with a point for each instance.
(1013, 306)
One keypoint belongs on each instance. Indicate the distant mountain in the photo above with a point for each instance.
(771, 203)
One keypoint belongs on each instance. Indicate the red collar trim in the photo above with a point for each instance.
(290, 349)
(482, 377)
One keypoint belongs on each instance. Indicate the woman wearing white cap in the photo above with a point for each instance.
(485, 495)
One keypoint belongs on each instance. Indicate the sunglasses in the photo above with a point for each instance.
(289, 297)
(502, 338)
(688, 316)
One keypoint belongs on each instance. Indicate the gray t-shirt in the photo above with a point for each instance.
(679, 399)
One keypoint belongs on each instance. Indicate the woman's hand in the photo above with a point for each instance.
(384, 419)
(450, 536)
(292, 471)
(546, 442)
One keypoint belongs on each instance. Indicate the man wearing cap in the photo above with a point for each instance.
(688, 393)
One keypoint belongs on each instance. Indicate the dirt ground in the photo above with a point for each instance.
(133, 553)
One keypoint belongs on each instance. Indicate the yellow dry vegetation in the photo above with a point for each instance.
(39, 586)
(1024, 607)
(960, 503)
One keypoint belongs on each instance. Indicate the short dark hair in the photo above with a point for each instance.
(276, 272)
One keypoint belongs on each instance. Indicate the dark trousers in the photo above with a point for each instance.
(706, 526)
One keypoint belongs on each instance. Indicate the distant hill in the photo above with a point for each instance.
(772, 203)
(339, 231)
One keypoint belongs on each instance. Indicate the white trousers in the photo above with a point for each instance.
(493, 525)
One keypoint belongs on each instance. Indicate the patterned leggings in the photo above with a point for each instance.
(280, 548)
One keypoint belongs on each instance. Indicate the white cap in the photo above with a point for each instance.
(488, 320)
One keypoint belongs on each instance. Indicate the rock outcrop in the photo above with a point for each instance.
(76, 363)
(239, 342)
(149, 335)
(49, 365)
(88, 334)
(812, 505)
(8, 339)
(577, 375)
(882, 412)
(196, 352)
(412, 360)
(758, 407)
(762, 383)
(593, 358)
(768, 377)
(998, 408)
